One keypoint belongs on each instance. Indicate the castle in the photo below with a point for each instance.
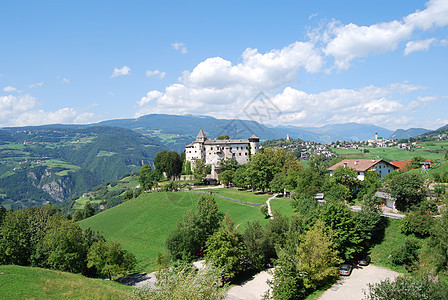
(211, 151)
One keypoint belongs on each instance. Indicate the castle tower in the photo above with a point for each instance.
(254, 144)
(376, 136)
(201, 137)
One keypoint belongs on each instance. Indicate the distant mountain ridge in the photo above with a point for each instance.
(409, 133)
(182, 129)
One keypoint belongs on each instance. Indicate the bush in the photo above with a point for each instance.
(419, 223)
(406, 254)
(409, 288)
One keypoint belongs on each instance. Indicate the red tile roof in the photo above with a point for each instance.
(360, 165)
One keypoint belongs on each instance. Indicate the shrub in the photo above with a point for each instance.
(406, 254)
(419, 223)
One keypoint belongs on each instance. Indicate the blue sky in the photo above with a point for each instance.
(318, 62)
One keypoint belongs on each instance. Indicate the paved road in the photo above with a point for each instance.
(351, 287)
(253, 289)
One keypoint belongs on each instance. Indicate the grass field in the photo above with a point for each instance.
(34, 283)
(142, 225)
(247, 196)
(433, 151)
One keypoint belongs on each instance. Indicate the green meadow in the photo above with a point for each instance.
(19, 282)
(142, 225)
(431, 150)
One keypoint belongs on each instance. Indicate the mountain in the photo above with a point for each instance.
(55, 163)
(409, 133)
(177, 131)
(334, 132)
(441, 130)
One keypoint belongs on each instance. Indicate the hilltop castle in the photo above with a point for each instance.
(211, 151)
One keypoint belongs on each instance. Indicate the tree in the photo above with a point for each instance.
(417, 222)
(194, 229)
(406, 189)
(308, 181)
(2, 213)
(223, 137)
(316, 258)
(407, 287)
(62, 248)
(226, 250)
(239, 177)
(168, 162)
(257, 246)
(110, 259)
(148, 177)
(227, 164)
(225, 177)
(185, 283)
(88, 210)
(346, 237)
(345, 176)
(338, 192)
(199, 169)
(277, 184)
(438, 243)
(370, 224)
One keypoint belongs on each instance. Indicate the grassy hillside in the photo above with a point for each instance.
(431, 150)
(34, 283)
(142, 225)
(56, 163)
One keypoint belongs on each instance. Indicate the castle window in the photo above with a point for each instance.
(246, 153)
(240, 154)
(211, 148)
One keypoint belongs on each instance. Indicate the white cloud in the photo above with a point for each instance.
(121, 71)
(347, 42)
(65, 80)
(9, 89)
(155, 73)
(21, 111)
(422, 45)
(37, 84)
(179, 47)
(216, 85)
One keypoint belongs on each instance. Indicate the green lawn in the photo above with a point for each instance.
(142, 225)
(35, 283)
(247, 196)
(434, 152)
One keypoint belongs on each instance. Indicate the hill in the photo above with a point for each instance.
(177, 131)
(142, 225)
(55, 163)
(35, 283)
(409, 133)
(435, 133)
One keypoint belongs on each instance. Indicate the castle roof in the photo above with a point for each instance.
(201, 134)
(253, 136)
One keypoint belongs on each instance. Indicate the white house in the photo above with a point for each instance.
(361, 166)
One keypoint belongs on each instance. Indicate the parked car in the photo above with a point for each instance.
(345, 269)
(365, 261)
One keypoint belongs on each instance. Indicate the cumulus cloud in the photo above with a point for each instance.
(21, 111)
(347, 42)
(221, 88)
(9, 89)
(123, 71)
(155, 73)
(422, 45)
(35, 85)
(179, 47)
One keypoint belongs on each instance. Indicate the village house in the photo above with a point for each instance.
(361, 166)
(212, 151)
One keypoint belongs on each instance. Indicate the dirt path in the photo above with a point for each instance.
(252, 289)
(351, 287)
(268, 203)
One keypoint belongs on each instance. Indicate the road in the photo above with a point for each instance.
(352, 287)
